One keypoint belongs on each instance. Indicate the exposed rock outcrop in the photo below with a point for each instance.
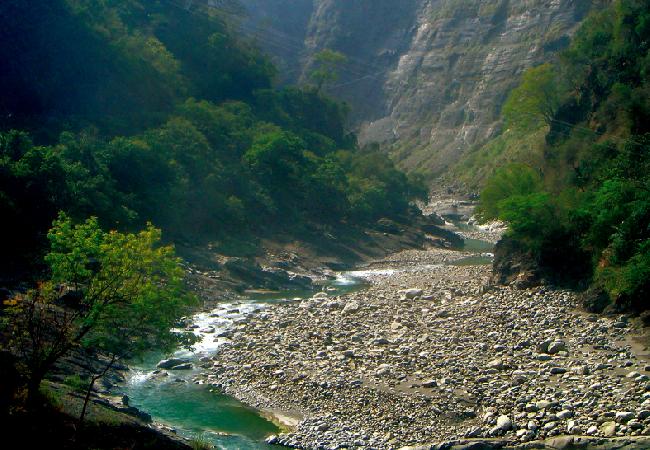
(514, 264)
(427, 78)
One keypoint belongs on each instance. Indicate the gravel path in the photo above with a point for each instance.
(429, 353)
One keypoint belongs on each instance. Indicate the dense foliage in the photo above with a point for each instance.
(119, 293)
(137, 111)
(593, 202)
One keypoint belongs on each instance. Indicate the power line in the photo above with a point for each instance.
(280, 39)
(573, 126)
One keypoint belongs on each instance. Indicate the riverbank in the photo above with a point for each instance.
(429, 353)
(54, 423)
(289, 262)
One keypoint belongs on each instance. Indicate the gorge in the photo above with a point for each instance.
(424, 78)
(325, 224)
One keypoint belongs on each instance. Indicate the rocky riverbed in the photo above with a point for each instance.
(430, 353)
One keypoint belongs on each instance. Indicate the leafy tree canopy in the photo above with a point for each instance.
(113, 292)
(593, 196)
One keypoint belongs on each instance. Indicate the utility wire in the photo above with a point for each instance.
(279, 39)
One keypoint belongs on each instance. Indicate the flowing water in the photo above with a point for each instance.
(482, 253)
(195, 410)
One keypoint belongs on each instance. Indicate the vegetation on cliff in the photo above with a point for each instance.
(587, 203)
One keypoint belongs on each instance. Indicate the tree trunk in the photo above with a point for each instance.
(93, 379)
(33, 388)
(87, 397)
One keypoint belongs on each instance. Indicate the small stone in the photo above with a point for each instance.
(504, 423)
(644, 414)
(556, 347)
(580, 370)
(186, 366)
(635, 424)
(382, 370)
(549, 426)
(351, 308)
(624, 416)
(496, 364)
(577, 430)
(411, 293)
(169, 363)
(542, 347)
(608, 429)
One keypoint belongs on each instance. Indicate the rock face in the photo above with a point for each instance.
(427, 78)
(514, 265)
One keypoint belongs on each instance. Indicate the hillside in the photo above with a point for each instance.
(581, 212)
(139, 112)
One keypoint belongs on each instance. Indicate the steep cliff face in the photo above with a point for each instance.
(374, 35)
(427, 78)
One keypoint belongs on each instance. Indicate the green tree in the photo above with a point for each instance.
(535, 101)
(510, 181)
(325, 66)
(118, 294)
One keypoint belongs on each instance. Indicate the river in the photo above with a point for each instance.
(197, 410)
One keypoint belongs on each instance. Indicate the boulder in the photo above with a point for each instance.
(411, 293)
(172, 362)
(514, 264)
(184, 366)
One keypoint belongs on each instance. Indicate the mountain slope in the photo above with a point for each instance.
(427, 78)
(137, 112)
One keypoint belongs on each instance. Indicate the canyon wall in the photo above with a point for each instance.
(425, 78)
